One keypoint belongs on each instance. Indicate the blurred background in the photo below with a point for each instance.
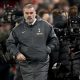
(64, 15)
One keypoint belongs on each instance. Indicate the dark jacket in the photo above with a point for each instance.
(34, 41)
(3, 37)
(4, 66)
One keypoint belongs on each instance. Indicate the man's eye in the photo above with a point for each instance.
(26, 12)
(29, 12)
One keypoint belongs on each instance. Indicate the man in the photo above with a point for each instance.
(30, 43)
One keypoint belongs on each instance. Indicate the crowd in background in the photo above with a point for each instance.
(64, 15)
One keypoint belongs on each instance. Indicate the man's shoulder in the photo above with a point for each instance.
(46, 23)
(18, 26)
(43, 22)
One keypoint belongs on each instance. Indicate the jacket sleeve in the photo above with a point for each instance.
(52, 42)
(12, 43)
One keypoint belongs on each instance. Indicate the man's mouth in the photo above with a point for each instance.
(29, 18)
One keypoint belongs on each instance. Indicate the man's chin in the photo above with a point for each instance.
(29, 22)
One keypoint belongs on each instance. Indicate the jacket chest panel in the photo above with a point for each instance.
(34, 34)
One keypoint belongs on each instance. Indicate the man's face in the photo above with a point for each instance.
(29, 14)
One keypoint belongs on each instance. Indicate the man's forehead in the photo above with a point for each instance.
(29, 9)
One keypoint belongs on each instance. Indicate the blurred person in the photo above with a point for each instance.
(1, 11)
(44, 15)
(50, 9)
(74, 28)
(4, 66)
(31, 42)
(58, 4)
(73, 18)
(73, 11)
(55, 1)
(65, 10)
(60, 28)
(57, 18)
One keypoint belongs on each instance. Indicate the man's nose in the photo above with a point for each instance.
(29, 14)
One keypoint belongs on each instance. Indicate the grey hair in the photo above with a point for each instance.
(28, 6)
